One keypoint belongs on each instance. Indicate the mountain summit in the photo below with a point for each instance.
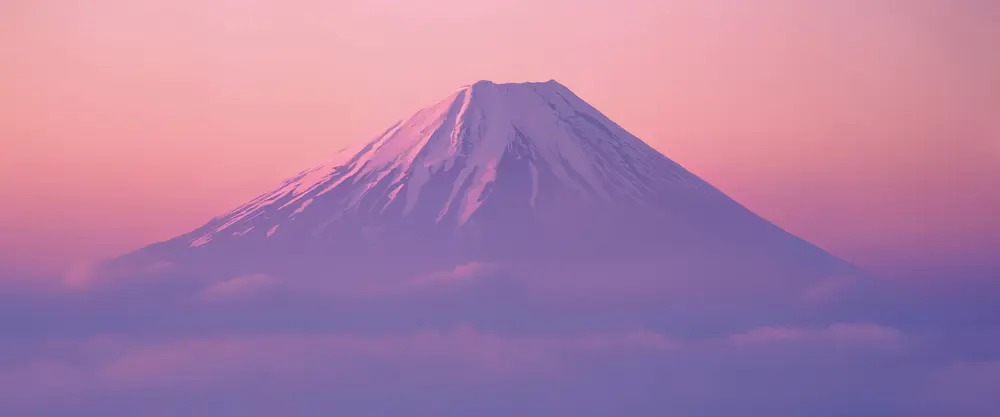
(492, 173)
(443, 163)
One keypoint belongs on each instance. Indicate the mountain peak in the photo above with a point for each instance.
(534, 141)
(448, 160)
(489, 83)
(491, 171)
(560, 139)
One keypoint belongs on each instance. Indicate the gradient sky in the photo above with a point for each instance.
(871, 128)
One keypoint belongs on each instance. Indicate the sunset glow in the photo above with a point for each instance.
(509, 251)
(869, 128)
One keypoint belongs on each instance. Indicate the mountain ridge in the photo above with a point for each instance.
(438, 137)
(493, 171)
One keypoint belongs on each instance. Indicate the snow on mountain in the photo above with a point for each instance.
(493, 170)
(467, 135)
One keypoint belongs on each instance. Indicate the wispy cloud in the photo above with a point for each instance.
(243, 286)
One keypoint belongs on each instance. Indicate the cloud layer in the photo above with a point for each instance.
(480, 339)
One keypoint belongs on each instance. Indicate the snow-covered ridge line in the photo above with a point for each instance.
(471, 131)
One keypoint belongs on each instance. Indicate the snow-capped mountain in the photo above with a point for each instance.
(493, 172)
(457, 147)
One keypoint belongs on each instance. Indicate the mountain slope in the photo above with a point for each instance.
(497, 173)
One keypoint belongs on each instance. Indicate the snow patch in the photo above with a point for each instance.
(302, 207)
(475, 197)
(239, 287)
(245, 231)
(201, 241)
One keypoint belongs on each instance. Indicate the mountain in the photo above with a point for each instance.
(501, 174)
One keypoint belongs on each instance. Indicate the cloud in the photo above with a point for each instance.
(768, 335)
(333, 356)
(86, 274)
(467, 371)
(477, 339)
(842, 333)
(460, 272)
(243, 286)
(863, 334)
(462, 355)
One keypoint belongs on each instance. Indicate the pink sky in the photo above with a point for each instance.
(871, 128)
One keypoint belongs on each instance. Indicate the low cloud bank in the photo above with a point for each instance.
(479, 339)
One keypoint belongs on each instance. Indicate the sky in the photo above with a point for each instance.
(870, 128)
